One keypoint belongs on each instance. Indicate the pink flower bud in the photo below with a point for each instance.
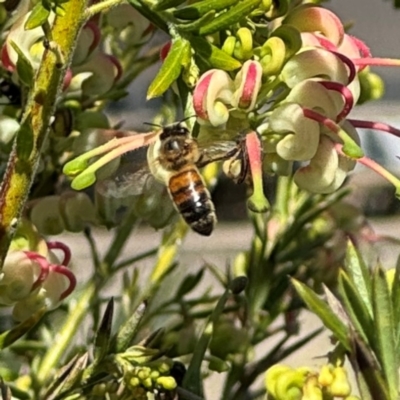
(212, 94)
(248, 83)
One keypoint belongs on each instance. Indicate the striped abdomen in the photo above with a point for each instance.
(192, 200)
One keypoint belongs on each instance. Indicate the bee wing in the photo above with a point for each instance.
(217, 151)
(131, 178)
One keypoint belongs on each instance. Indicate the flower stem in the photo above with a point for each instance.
(40, 107)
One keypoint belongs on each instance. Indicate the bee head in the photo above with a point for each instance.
(175, 129)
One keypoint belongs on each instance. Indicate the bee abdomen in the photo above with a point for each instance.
(192, 200)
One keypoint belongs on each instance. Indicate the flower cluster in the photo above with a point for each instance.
(283, 382)
(92, 72)
(297, 88)
(32, 277)
(144, 372)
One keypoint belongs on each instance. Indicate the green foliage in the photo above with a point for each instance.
(368, 328)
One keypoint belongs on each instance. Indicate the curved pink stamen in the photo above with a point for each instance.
(61, 269)
(94, 27)
(44, 267)
(379, 126)
(362, 47)
(349, 63)
(345, 92)
(117, 66)
(322, 119)
(55, 245)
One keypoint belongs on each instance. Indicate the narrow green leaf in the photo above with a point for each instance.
(384, 327)
(231, 17)
(24, 67)
(9, 337)
(356, 308)
(213, 55)
(37, 17)
(127, 333)
(24, 140)
(162, 5)
(322, 310)
(195, 25)
(189, 283)
(359, 275)
(66, 377)
(367, 368)
(103, 335)
(200, 8)
(396, 3)
(192, 380)
(170, 69)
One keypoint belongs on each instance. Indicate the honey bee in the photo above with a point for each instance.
(174, 159)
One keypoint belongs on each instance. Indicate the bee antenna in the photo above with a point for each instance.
(185, 119)
(151, 124)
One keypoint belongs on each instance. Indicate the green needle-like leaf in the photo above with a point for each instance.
(126, 334)
(25, 140)
(37, 17)
(170, 69)
(9, 337)
(359, 275)
(102, 340)
(24, 67)
(189, 283)
(322, 310)
(384, 331)
(231, 17)
(356, 308)
(192, 380)
(213, 55)
(200, 8)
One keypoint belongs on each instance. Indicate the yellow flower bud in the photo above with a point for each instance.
(311, 390)
(167, 382)
(325, 377)
(289, 385)
(229, 45)
(340, 386)
(272, 375)
(244, 45)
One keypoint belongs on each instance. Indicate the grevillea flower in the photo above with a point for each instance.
(216, 94)
(29, 42)
(32, 276)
